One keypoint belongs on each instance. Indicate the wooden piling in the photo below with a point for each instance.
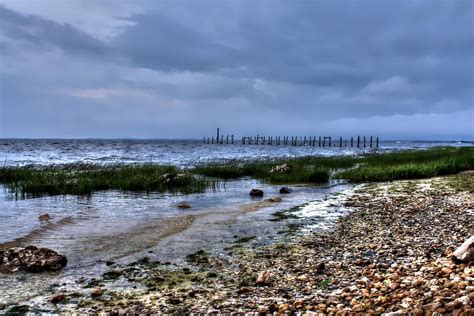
(217, 138)
(340, 141)
(377, 143)
(329, 141)
(319, 141)
(364, 141)
(352, 141)
(370, 141)
(358, 141)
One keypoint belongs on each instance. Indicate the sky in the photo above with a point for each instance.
(180, 69)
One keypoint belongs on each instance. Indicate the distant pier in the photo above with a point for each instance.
(315, 141)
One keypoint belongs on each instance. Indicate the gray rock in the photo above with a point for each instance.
(256, 192)
(285, 190)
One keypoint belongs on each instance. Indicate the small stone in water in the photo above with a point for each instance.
(44, 217)
(58, 298)
(96, 292)
(285, 190)
(183, 205)
(256, 192)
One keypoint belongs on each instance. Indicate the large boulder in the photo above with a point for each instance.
(31, 259)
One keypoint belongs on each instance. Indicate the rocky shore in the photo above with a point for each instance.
(392, 254)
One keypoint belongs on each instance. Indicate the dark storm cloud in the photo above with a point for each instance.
(305, 42)
(295, 63)
(44, 34)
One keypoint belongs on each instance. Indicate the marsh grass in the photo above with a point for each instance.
(303, 170)
(411, 165)
(84, 179)
(374, 167)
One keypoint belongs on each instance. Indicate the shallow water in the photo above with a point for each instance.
(124, 227)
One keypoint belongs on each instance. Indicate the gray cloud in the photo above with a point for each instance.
(43, 34)
(267, 65)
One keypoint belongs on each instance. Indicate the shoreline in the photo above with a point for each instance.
(390, 254)
(163, 239)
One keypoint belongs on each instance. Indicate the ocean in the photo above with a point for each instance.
(180, 152)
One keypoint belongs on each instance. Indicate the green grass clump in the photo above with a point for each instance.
(411, 165)
(303, 170)
(85, 179)
(325, 283)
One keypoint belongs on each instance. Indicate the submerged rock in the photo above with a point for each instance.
(274, 199)
(31, 259)
(256, 192)
(183, 205)
(44, 217)
(285, 190)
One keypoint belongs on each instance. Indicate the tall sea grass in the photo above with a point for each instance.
(87, 178)
(83, 178)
